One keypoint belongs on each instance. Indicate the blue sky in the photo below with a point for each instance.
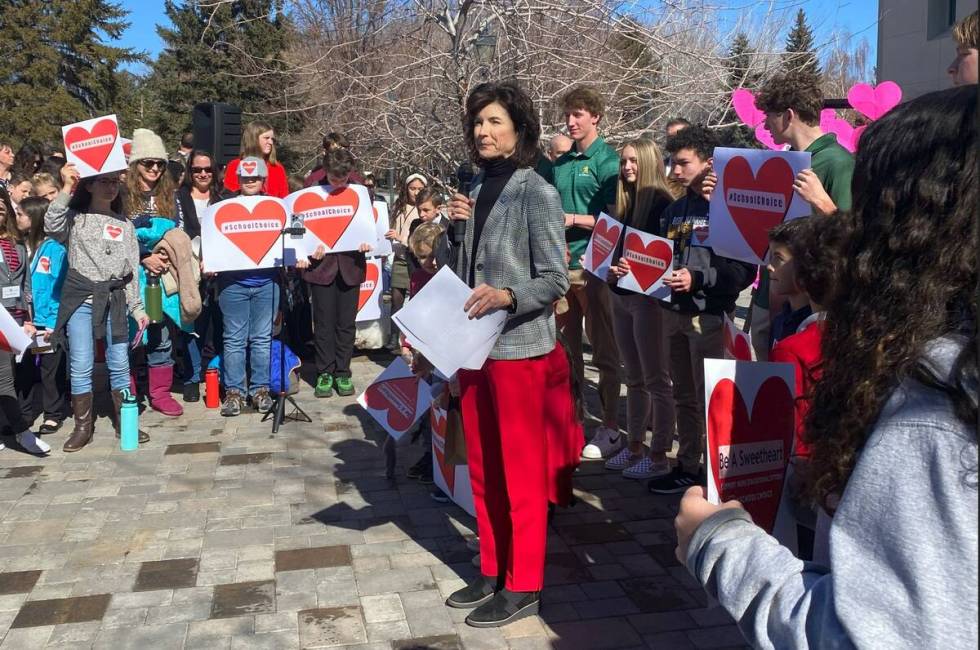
(859, 17)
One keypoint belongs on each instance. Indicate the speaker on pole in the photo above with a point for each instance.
(217, 128)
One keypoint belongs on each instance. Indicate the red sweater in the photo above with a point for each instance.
(803, 351)
(275, 185)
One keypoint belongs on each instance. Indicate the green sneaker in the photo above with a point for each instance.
(324, 385)
(345, 386)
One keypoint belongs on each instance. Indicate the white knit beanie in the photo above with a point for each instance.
(147, 144)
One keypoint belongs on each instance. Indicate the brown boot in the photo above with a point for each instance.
(117, 401)
(81, 435)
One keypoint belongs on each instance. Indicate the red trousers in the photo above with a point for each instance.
(503, 407)
(564, 431)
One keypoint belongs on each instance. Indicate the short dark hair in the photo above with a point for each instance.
(585, 98)
(519, 107)
(334, 138)
(817, 246)
(698, 138)
(429, 194)
(788, 233)
(19, 176)
(795, 91)
(677, 121)
(187, 140)
(339, 162)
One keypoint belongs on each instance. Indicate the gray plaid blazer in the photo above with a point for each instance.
(522, 247)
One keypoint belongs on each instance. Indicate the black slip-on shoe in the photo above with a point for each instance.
(505, 607)
(476, 593)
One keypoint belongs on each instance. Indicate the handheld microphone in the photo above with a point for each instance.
(464, 179)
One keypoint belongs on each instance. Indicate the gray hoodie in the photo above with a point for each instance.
(903, 542)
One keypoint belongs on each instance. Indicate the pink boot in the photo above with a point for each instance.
(160, 399)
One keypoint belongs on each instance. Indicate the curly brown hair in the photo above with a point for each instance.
(798, 92)
(910, 278)
(585, 98)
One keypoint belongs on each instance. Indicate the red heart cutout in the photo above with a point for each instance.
(45, 264)
(438, 419)
(368, 286)
(113, 231)
(397, 397)
(127, 148)
(4, 343)
(252, 231)
(93, 147)
(328, 216)
(604, 240)
(647, 263)
(758, 202)
(249, 167)
(737, 346)
(756, 448)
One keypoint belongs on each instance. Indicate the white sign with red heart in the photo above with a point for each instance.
(750, 422)
(369, 298)
(13, 339)
(243, 234)
(753, 195)
(650, 258)
(339, 219)
(396, 399)
(94, 146)
(737, 344)
(599, 253)
(452, 479)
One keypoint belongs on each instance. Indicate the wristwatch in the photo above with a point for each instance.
(513, 301)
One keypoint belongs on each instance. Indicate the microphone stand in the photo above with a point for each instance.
(278, 412)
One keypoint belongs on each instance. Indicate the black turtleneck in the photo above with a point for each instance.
(496, 173)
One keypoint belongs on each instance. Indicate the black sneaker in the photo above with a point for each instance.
(232, 405)
(426, 478)
(476, 593)
(416, 470)
(677, 481)
(505, 607)
(192, 392)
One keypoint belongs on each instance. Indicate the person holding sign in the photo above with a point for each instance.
(641, 196)
(248, 301)
(893, 419)
(101, 288)
(514, 258)
(704, 287)
(335, 283)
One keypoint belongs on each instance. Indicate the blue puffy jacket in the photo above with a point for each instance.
(48, 272)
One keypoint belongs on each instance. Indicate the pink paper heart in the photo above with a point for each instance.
(827, 118)
(743, 101)
(762, 135)
(874, 101)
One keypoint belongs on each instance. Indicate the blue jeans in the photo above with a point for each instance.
(247, 313)
(159, 345)
(192, 369)
(81, 348)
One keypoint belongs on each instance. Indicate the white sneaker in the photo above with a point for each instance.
(622, 460)
(603, 443)
(2, 446)
(646, 468)
(32, 443)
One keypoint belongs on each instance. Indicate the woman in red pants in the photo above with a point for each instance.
(514, 257)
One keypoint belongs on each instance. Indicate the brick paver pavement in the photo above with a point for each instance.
(218, 534)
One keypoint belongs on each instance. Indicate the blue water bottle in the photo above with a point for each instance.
(129, 423)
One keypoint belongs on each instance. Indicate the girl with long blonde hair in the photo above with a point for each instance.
(641, 196)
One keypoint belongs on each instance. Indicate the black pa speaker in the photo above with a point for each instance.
(218, 129)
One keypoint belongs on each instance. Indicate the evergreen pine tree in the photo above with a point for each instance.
(230, 53)
(801, 57)
(740, 75)
(56, 67)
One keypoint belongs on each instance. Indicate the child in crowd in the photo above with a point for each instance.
(48, 268)
(46, 186)
(16, 282)
(892, 423)
(704, 287)
(403, 215)
(335, 283)
(20, 187)
(248, 301)
(429, 204)
(796, 306)
(100, 288)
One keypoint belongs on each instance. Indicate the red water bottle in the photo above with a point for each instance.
(212, 399)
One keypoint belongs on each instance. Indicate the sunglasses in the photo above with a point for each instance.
(200, 170)
(252, 179)
(153, 164)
